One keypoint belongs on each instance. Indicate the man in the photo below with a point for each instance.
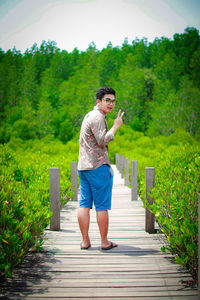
(96, 177)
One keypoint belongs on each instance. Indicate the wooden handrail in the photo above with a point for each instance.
(55, 204)
(74, 180)
(55, 198)
(134, 181)
(149, 216)
(122, 164)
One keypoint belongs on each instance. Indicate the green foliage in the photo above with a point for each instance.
(176, 110)
(66, 131)
(176, 202)
(23, 130)
(157, 85)
(24, 194)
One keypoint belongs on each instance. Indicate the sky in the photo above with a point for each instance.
(77, 23)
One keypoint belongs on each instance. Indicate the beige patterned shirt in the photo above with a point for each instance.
(94, 139)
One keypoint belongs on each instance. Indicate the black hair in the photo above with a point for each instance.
(103, 91)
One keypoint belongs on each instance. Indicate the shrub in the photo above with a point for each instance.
(24, 195)
(176, 203)
(22, 215)
(23, 130)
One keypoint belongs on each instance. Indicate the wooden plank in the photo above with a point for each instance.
(109, 283)
(76, 282)
(111, 298)
(50, 275)
(102, 292)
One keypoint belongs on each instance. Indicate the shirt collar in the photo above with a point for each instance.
(97, 108)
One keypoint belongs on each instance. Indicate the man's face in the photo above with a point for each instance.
(107, 104)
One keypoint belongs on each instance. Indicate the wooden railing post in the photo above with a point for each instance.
(74, 180)
(117, 160)
(199, 248)
(134, 187)
(149, 216)
(126, 179)
(55, 198)
(122, 166)
(119, 163)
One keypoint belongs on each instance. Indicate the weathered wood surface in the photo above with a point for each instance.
(137, 269)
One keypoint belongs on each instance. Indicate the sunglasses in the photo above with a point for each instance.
(110, 101)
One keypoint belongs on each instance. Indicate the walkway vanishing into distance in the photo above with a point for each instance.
(136, 269)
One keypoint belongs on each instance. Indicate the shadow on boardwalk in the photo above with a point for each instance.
(35, 270)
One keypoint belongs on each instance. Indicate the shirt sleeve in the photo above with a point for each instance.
(100, 130)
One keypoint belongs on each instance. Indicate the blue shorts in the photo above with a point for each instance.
(96, 187)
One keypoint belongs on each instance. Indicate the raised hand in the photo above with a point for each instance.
(118, 121)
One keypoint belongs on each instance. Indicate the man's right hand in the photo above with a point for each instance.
(118, 121)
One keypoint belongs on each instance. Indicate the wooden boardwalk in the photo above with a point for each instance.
(136, 269)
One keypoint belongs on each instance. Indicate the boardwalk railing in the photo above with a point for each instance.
(55, 193)
(55, 198)
(74, 180)
(122, 164)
